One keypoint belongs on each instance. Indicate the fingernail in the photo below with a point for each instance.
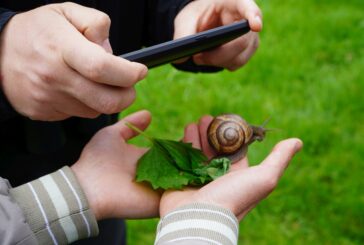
(143, 73)
(298, 145)
(258, 20)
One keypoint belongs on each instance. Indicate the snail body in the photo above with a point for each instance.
(230, 135)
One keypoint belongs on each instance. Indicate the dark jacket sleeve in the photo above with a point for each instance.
(6, 111)
(160, 28)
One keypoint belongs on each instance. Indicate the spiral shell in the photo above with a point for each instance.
(229, 133)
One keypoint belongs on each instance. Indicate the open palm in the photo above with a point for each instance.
(106, 172)
(243, 187)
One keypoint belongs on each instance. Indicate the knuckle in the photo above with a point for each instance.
(96, 68)
(39, 97)
(69, 4)
(109, 106)
(103, 20)
(46, 74)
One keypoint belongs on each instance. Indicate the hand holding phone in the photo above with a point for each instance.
(183, 47)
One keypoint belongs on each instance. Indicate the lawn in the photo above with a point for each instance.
(308, 75)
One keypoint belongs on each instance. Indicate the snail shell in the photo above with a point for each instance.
(229, 135)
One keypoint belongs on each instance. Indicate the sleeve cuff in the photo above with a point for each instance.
(198, 222)
(190, 66)
(56, 208)
(5, 16)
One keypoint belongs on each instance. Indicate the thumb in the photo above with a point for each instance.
(186, 23)
(140, 119)
(93, 24)
(248, 9)
(278, 160)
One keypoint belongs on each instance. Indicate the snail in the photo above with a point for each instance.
(230, 135)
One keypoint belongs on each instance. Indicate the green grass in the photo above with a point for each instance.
(308, 75)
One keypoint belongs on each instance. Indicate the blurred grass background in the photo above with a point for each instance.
(308, 74)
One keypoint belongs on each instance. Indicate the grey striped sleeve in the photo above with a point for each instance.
(198, 223)
(56, 208)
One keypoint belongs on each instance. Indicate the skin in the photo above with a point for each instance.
(202, 15)
(44, 52)
(61, 58)
(106, 172)
(243, 187)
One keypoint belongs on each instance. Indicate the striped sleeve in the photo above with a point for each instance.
(56, 208)
(198, 224)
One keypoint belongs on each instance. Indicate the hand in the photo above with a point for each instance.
(202, 15)
(56, 62)
(106, 172)
(243, 187)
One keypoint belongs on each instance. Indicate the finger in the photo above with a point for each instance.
(192, 135)
(243, 58)
(250, 10)
(107, 46)
(186, 23)
(101, 98)
(94, 63)
(203, 126)
(140, 120)
(92, 23)
(224, 55)
(47, 113)
(73, 107)
(278, 160)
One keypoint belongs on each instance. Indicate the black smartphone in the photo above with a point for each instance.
(183, 47)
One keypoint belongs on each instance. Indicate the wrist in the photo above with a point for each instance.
(56, 208)
(87, 184)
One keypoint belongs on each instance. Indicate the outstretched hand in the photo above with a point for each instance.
(106, 172)
(243, 187)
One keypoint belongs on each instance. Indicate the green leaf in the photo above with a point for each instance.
(178, 152)
(157, 168)
(172, 165)
(215, 169)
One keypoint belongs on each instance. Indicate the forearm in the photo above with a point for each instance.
(55, 208)
(198, 224)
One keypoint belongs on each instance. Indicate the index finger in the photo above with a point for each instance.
(95, 64)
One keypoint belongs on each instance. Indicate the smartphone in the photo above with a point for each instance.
(183, 47)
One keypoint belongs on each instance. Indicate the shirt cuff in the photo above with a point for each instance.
(56, 208)
(198, 222)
